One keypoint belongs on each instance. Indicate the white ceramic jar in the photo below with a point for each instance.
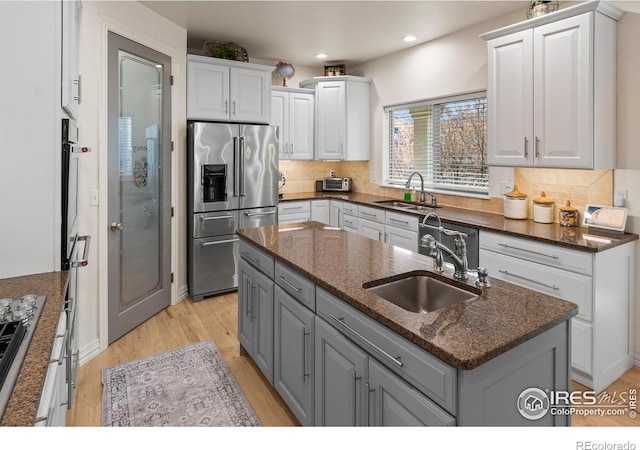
(543, 209)
(515, 204)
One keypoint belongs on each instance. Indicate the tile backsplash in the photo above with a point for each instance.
(581, 187)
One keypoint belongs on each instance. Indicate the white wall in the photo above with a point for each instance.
(134, 21)
(453, 64)
(30, 151)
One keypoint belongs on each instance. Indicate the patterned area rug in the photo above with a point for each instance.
(190, 386)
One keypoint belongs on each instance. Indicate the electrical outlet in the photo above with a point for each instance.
(620, 197)
(332, 173)
(281, 176)
(505, 187)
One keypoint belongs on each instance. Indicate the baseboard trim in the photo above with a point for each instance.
(89, 351)
(636, 358)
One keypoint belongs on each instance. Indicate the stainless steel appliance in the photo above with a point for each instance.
(232, 183)
(70, 240)
(340, 184)
(472, 241)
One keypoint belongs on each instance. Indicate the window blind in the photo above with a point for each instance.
(444, 140)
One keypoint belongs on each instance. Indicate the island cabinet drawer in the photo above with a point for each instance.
(563, 284)
(419, 368)
(548, 254)
(375, 214)
(399, 220)
(296, 285)
(349, 209)
(257, 258)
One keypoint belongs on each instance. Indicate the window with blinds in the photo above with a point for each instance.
(445, 140)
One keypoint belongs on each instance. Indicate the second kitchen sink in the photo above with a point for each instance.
(418, 292)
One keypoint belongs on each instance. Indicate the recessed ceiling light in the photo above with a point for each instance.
(409, 38)
(321, 55)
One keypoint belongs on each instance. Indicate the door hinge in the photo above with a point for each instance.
(172, 211)
(172, 277)
(171, 80)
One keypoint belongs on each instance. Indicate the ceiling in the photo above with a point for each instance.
(350, 32)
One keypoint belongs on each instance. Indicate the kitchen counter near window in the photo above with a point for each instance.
(579, 238)
(464, 335)
(23, 403)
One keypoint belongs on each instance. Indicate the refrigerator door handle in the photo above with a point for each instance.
(253, 214)
(242, 186)
(236, 168)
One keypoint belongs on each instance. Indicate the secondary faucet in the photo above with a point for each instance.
(458, 256)
(422, 191)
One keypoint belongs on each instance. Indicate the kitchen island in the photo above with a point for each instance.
(464, 364)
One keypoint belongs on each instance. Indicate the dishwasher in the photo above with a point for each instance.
(472, 240)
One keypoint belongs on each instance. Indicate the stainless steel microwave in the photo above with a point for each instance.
(340, 184)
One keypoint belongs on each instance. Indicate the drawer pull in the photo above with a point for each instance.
(250, 258)
(365, 213)
(550, 286)
(394, 360)
(393, 219)
(281, 278)
(529, 251)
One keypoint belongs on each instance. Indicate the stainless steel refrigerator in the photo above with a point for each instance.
(232, 172)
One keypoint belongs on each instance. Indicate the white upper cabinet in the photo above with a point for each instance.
(223, 90)
(292, 111)
(551, 90)
(342, 117)
(70, 76)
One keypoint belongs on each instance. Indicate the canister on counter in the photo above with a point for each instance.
(515, 204)
(543, 209)
(568, 215)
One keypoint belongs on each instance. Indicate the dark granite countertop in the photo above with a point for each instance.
(464, 335)
(578, 238)
(23, 403)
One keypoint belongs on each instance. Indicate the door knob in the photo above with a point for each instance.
(115, 226)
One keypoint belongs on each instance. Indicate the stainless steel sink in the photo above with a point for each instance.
(419, 293)
(404, 205)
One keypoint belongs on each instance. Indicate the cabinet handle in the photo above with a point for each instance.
(281, 278)
(253, 299)
(369, 391)
(291, 148)
(550, 286)
(393, 219)
(78, 82)
(395, 360)
(234, 107)
(245, 255)
(526, 147)
(305, 373)
(250, 293)
(286, 148)
(537, 147)
(355, 397)
(226, 106)
(365, 213)
(547, 255)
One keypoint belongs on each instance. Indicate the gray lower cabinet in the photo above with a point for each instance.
(293, 360)
(255, 316)
(340, 397)
(394, 403)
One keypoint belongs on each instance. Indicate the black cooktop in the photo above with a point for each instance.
(11, 335)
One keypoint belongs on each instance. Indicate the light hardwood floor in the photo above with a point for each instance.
(215, 318)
